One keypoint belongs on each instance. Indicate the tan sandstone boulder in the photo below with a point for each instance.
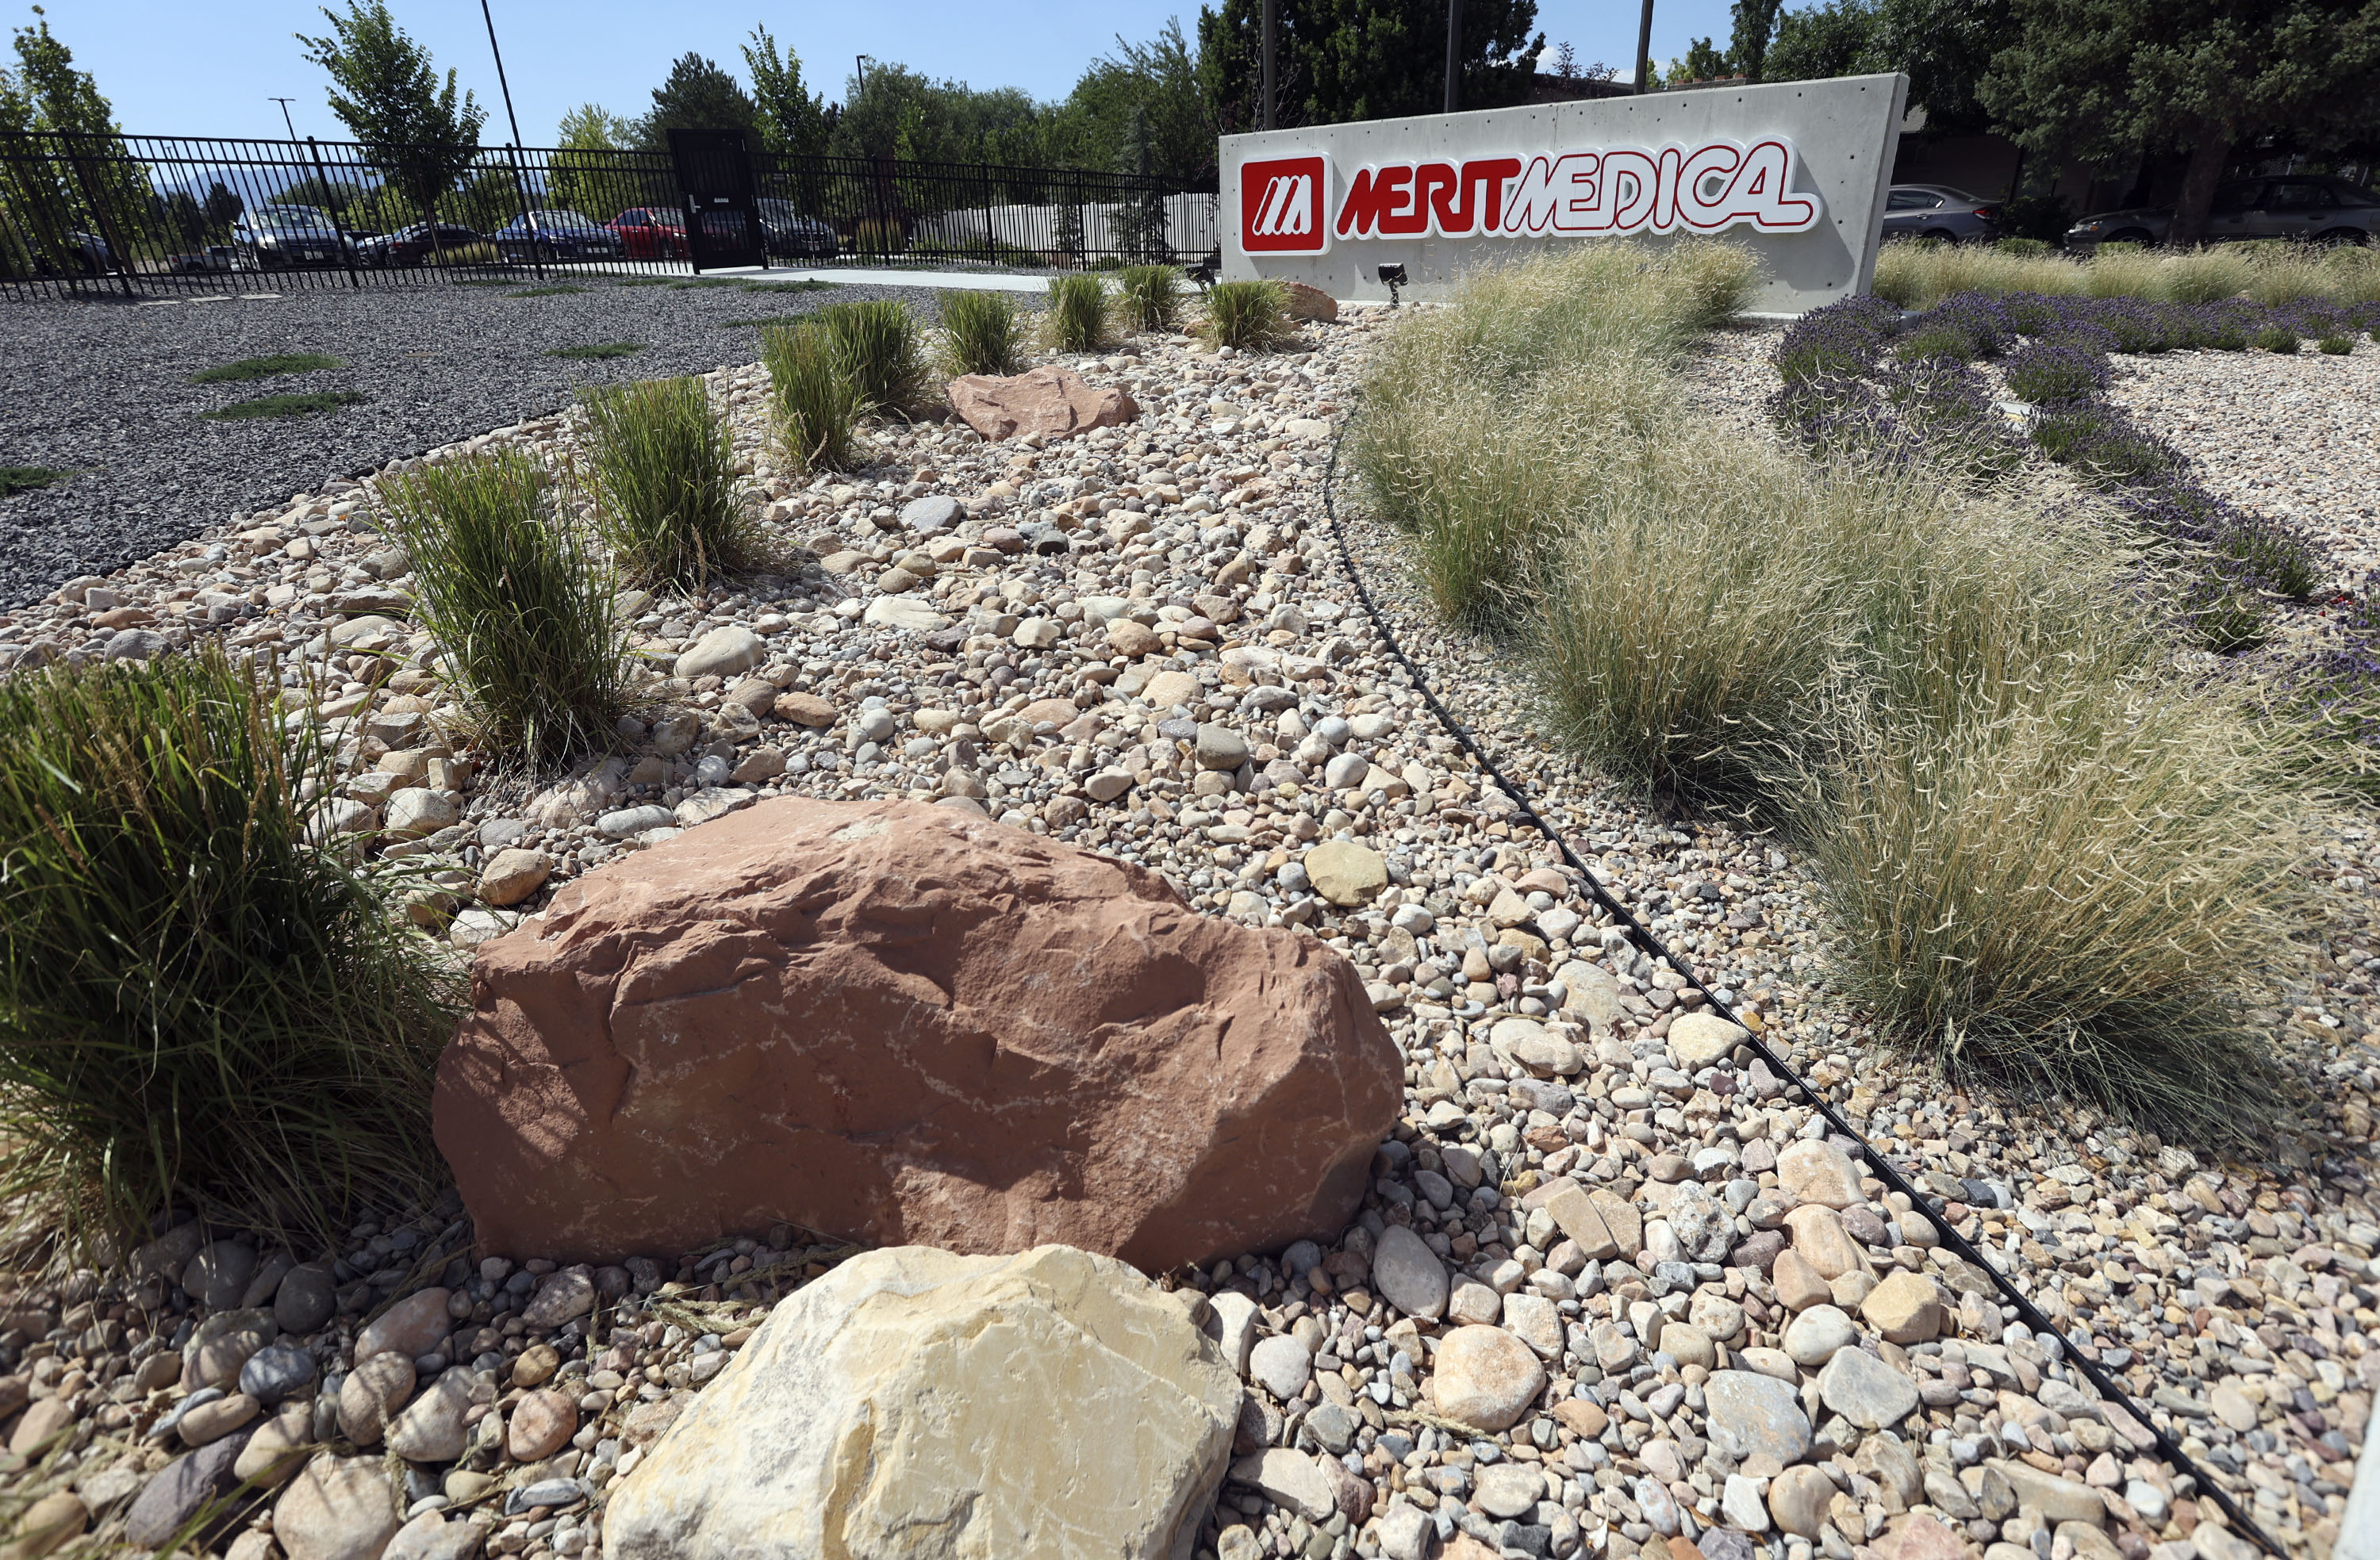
(897, 1023)
(1309, 303)
(915, 1403)
(1048, 400)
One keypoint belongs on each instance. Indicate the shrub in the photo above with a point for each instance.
(1078, 313)
(2102, 444)
(268, 368)
(1247, 316)
(662, 464)
(2222, 613)
(1937, 341)
(1149, 298)
(2025, 248)
(1841, 339)
(2337, 343)
(882, 352)
(2052, 373)
(524, 617)
(199, 1007)
(817, 402)
(2278, 338)
(982, 333)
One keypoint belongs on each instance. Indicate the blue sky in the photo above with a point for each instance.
(173, 68)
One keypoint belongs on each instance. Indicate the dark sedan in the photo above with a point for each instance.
(795, 236)
(2310, 208)
(556, 235)
(411, 246)
(1939, 212)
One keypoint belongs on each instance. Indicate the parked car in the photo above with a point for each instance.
(289, 236)
(795, 236)
(2308, 206)
(87, 254)
(651, 233)
(411, 246)
(556, 235)
(1935, 211)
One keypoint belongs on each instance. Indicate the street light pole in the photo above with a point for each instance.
(284, 103)
(1265, 72)
(1454, 54)
(859, 63)
(502, 85)
(1645, 46)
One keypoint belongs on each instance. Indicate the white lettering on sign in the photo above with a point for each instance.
(1619, 189)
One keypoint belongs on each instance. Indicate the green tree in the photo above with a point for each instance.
(2104, 78)
(107, 194)
(1153, 86)
(1818, 42)
(414, 129)
(222, 208)
(1755, 24)
(1340, 60)
(899, 113)
(698, 95)
(1703, 63)
(793, 118)
(587, 174)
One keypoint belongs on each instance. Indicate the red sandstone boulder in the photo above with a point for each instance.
(896, 1023)
(1050, 401)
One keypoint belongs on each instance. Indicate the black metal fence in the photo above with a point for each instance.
(85, 215)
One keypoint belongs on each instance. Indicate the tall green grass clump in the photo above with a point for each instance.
(818, 404)
(2045, 856)
(1247, 316)
(200, 1005)
(1077, 320)
(522, 610)
(1149, 298)
(1472, 413)
(882, 352)
(662, 464)
(982, 333)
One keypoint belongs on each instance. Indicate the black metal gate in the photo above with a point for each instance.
(722, 213)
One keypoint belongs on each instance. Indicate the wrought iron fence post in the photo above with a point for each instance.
(528, 223)
(338, 222)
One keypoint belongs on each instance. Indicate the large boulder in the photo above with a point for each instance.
(900, 1024)
(1054, 401)
(915, 1403)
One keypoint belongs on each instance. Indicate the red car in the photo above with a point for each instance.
(651, 233)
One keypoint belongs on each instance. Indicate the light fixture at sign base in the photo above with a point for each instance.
(1393, 277)
(1203, 273)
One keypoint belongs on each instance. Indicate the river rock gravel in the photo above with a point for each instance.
(1666, 1289)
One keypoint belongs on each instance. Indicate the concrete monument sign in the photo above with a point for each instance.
(1796, 172)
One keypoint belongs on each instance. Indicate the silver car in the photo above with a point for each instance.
(1937, 212)
(2307, 207)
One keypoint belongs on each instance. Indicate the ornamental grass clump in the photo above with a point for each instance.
(1149, 298)
(201, 1005)
(882, 351)
(982, 333)
(1247, 316)
(1077, 320)
(661, 467)
(523, 611)
(817, 402)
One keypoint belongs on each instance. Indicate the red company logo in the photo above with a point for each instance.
(1283, 206)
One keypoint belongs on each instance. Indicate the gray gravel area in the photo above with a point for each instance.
(102, 390)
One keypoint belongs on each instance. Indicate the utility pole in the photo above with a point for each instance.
(859, 63)
(1265, 70)
(284, 103)
(1645, 46)
(502, 85)
(1454, 54)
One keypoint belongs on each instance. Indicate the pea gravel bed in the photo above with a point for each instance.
(100, 389)
(1143, 641)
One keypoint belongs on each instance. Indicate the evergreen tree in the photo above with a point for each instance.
(414, 129)
(221, 207)
(699, 96)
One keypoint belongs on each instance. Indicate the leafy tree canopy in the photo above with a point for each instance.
(416, 128)
(794, 120)
(1339, 60)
